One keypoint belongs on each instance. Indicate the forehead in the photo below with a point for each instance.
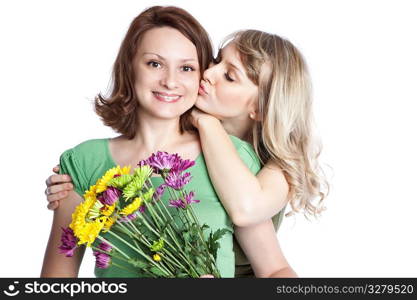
(167, 42)
(230, 52)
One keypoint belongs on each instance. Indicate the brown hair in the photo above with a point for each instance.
(119, 110)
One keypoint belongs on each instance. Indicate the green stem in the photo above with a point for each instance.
(143, 254)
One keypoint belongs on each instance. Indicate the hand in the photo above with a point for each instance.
(57, 188)
(198, 116)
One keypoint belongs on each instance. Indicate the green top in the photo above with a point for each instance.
(89, 160)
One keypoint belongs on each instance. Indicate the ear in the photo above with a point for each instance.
(254, 111)
(254, 115)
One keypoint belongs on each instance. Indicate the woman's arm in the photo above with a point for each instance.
(261, 246)
(247, 198)
(56, 264)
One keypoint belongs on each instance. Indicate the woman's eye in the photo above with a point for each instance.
(228, 78)
(154, 64)
(187, 69)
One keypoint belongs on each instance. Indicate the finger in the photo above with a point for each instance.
(57, 196)
(54, 179)
(56, 188)
(207, 276)
(53, 205)
(56, 169)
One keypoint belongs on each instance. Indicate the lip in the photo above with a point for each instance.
(202, 90)
(165, 97)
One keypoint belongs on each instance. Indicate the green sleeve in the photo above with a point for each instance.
(70, 164)
(247, 154)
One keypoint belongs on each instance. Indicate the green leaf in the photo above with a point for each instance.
(213, 243)
(180, 274)
(157, 245)
(157, 272)
(138, 263)
(219, 233)
(205, 227)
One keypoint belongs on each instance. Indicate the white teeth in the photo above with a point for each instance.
(168, 98)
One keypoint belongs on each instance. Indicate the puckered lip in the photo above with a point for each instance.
(202, 90)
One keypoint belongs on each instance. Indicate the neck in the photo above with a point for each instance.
(156, 134)
(239, 128)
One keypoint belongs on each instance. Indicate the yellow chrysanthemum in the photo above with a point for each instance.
(89, 232)
(80, 213)
(132, 207)
(95, 211)
(91, 193)
(156, 257)
(86, 232)
(102, 182)
(108, 224)
(107, 210)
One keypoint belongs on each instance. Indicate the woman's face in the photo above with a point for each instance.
(226, 92)
(167, 73)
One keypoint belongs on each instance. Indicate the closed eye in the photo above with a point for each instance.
(228, 78)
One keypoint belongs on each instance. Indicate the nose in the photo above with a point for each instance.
(210, 74)
(169, 79)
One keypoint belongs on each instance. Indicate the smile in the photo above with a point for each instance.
(164, 97)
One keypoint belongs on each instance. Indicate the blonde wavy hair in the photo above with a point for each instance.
(284, 133)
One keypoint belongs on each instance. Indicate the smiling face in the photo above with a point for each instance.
(226, 91)
(166, 73)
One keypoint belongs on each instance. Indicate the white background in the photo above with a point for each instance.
(55, 56)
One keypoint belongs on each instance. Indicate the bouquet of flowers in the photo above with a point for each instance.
(166, 242)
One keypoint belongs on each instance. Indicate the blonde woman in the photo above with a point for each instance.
(258, 90)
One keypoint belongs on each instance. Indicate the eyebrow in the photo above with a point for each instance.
(162, 58)
(219, 55)
(234, 67)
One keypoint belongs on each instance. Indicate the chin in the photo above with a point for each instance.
(170, 113)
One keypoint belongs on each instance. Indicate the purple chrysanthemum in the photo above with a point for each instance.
(159, 191)
(182, 203)
(69, 242)
(177, 180)
(128, 218)
(177, 203)
(102, 259)
(105, 247)
(110, 196)
(189, 198)
(161, 161)
(183, 165)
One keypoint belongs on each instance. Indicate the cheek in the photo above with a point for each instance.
(230, 100)
(192, 85)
